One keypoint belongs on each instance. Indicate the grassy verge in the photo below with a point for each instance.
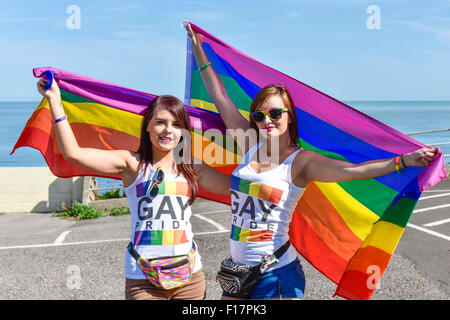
(80, 211)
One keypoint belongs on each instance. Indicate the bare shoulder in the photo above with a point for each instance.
(303, 157)
(132, 159)
(131, 155)
(299, 167)
(132, 164)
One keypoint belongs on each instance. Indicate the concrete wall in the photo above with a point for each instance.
(36, 189)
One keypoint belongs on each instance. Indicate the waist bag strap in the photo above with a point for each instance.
(281, 250)
(136, 255)
(132, 251)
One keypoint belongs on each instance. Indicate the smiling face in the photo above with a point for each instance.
(166, 126)
(273, 127)
(164, 130)
(285, 128)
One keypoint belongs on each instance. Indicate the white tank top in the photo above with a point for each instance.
(262, 205)
(159, 227)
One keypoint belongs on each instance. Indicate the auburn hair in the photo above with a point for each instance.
(280, 90)
(145, 151)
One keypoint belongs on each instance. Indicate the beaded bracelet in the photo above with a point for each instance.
(397, 161)
(64, 117)
(397, 164)
(205, 65)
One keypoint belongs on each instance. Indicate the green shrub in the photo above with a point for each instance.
(80, 211)
(119, 211)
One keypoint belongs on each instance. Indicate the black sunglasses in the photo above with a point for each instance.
(158, 177)
(274, 114)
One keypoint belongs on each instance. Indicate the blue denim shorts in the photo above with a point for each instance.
(285, 282)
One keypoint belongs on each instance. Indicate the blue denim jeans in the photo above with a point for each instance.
(285, 282)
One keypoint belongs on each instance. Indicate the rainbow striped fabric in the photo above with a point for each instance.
(101, 115)
(108, 116)
(245, 235)
(347, 230)
(160, 237)
(179, 188)
(256, 189)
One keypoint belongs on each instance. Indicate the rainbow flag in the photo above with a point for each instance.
(108, 116)
(347, 230)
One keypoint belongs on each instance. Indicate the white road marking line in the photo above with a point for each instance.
(440, 235)
(61, 244)
(435, 196)
(215, 224)
(436, 190)
(431, 208)
(61, 237)
(436, 223)
(198, 233)
(45, 245)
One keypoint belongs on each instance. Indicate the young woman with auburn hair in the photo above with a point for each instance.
(260, 221)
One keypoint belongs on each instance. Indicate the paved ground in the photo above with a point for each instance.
(50, 258)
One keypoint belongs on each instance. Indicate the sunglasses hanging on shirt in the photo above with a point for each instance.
(157, 178)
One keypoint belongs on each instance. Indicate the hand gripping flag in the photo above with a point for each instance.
(347, 230)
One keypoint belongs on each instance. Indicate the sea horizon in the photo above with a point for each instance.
(406, 116)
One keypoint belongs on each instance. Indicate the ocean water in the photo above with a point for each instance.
(404, 116)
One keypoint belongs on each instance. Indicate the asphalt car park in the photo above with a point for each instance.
(44, 257)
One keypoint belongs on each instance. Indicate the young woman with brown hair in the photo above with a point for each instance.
(160, 187)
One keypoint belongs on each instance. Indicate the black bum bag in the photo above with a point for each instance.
(238, 280)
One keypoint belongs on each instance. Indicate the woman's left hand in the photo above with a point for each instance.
(420, 158)
(50, 94)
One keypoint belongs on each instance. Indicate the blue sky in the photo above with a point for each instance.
(324, 43)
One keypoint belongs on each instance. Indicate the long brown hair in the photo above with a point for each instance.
(145, 151)
(271, 90)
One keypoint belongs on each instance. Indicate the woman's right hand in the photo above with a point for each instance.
(106, 162)
(50, 94)
(195, 37)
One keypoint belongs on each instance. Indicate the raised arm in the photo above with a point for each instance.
(100, 161)
(231, 116)
(312, 166)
